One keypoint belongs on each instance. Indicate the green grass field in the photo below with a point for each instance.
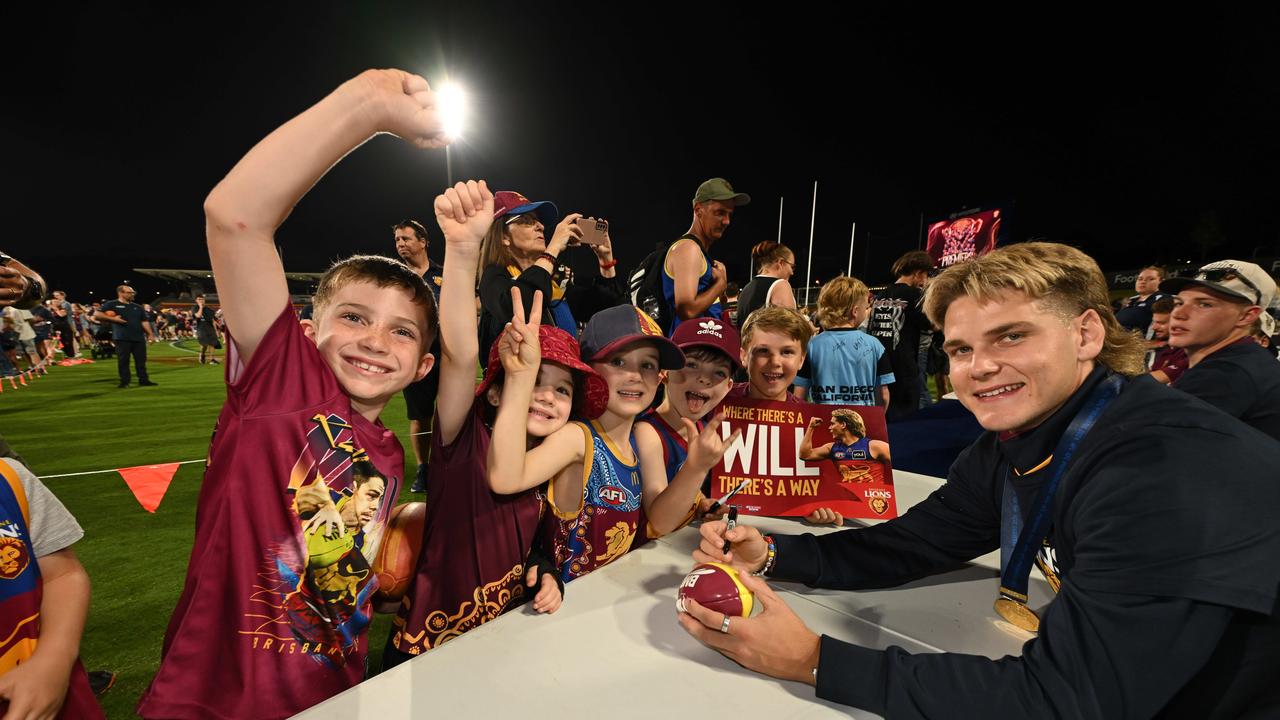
(76, 420)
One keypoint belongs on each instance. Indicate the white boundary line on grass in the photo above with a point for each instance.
(174, 345)
(95, 472)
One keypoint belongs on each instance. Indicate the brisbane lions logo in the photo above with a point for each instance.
(13, 557)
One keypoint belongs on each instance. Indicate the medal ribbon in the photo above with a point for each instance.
(1018, 545)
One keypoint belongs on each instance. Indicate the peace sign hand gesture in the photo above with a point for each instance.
(519, 347)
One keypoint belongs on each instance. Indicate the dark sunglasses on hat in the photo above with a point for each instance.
(1218, 275)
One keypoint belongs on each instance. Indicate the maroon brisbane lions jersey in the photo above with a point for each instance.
(472, 563)
(274, 614)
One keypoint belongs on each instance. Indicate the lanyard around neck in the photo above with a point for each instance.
(1019, 545)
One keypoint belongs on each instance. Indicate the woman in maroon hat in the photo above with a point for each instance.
(475, 560)
(516, 253)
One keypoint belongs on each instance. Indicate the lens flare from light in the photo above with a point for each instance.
(452, 102)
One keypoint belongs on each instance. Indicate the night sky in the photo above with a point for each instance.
(1138, 139)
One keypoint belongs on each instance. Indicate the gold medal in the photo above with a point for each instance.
(1018, 614)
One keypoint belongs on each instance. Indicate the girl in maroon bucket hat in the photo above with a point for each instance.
(477, 558)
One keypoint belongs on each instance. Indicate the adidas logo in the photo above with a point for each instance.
(710, 327)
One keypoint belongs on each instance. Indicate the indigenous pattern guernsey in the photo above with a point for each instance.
(274, 614)
(602, 524)
(472, 563)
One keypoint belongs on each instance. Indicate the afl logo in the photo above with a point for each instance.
(612, 495)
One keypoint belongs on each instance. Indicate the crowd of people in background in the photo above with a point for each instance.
(54, 330)
(607, 413)
(1208, 334)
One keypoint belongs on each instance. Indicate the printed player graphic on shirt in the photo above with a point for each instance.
(316, 586)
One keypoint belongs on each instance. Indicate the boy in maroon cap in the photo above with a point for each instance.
(711, 348)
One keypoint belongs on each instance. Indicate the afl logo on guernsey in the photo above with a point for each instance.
(613, 495)
(13, 557)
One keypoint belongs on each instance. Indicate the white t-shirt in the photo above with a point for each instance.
(20, 318)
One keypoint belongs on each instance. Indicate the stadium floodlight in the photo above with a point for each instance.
(453, 109)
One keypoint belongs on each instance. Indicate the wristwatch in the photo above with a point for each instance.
(32, 295)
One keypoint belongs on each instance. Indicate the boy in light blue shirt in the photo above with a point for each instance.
(845, 366)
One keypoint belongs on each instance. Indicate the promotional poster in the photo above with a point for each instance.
(960, 238)
(793, 458)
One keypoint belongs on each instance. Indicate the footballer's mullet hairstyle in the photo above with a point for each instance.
(838, 298)
(383, 272)
(1061, 279)
(851, 420)
(778, 319)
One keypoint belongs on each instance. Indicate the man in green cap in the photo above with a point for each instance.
(691, 281)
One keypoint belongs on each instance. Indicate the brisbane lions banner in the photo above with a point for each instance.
(963, 235)
(793, 458)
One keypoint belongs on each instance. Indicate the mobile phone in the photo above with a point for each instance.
(593, 230)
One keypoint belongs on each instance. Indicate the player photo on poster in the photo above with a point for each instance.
(959, 238)
(796, 458)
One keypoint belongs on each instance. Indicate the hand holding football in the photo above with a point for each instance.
(716, 586)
